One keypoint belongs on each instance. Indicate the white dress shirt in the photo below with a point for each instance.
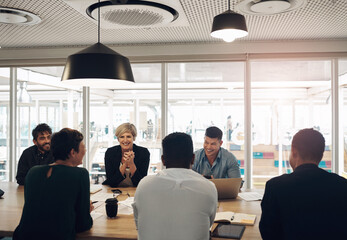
(177, 203)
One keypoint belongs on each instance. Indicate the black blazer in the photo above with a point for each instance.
(113, 157)
(309, 203)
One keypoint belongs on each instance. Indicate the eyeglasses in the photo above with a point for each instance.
(119, 192)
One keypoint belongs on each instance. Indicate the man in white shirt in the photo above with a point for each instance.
(177, 203)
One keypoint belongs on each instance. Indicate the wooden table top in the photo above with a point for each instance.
(121, 227)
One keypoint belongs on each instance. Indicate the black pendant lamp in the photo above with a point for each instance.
(98, 66)
(229, 25)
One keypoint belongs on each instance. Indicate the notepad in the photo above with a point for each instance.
(235, 218)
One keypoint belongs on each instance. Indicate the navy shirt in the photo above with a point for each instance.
(31, 157)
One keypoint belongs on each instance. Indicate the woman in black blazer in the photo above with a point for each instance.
(126, 164)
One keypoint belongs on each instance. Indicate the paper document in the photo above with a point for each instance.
(100, 196)
(98, 204)
(95, 188)
(96, 215)
(251, 196)
(124, 207)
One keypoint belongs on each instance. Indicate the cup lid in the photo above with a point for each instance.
(111, 200)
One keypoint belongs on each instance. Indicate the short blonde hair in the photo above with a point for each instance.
(126, 127)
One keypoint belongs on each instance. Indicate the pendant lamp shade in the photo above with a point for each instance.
(228, 26)
(98, 66)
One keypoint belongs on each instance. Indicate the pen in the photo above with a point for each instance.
(94, 202)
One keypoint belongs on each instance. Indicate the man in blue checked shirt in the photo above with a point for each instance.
(213, 161)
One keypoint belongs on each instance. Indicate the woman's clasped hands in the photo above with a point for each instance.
(128, 162)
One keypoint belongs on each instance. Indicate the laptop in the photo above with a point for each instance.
(227, 187)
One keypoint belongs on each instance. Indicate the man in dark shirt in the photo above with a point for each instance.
(309, 203)
(39, 154)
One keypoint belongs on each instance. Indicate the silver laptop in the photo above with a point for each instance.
(227, 187)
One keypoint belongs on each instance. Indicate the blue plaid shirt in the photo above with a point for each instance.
(224, 166)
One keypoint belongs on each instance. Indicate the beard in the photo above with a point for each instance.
(44, 148)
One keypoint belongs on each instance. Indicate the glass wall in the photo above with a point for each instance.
(4, 123)
(287, 96)
(343, 117)
(207, 94)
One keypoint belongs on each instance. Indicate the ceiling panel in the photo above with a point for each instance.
(64, 26)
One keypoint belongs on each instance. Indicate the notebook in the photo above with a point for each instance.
(227, 187)
(235, 218)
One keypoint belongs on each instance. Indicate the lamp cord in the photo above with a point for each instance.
(99, 23)
(229, 5)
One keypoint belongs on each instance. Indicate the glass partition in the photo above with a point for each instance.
(287, 96)
(343, 113)
(4, 123)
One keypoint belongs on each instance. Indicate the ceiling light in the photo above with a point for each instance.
(98, 66)
(18, 17)
(229, 25)
(269, 7)
(133, 14)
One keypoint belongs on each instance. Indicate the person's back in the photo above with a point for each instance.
(53, 201)
(309, 203)
(177, 203)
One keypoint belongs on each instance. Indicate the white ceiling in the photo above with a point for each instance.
(64, 26)
(319, 26)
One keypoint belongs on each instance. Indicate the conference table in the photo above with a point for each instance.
(121, 227)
